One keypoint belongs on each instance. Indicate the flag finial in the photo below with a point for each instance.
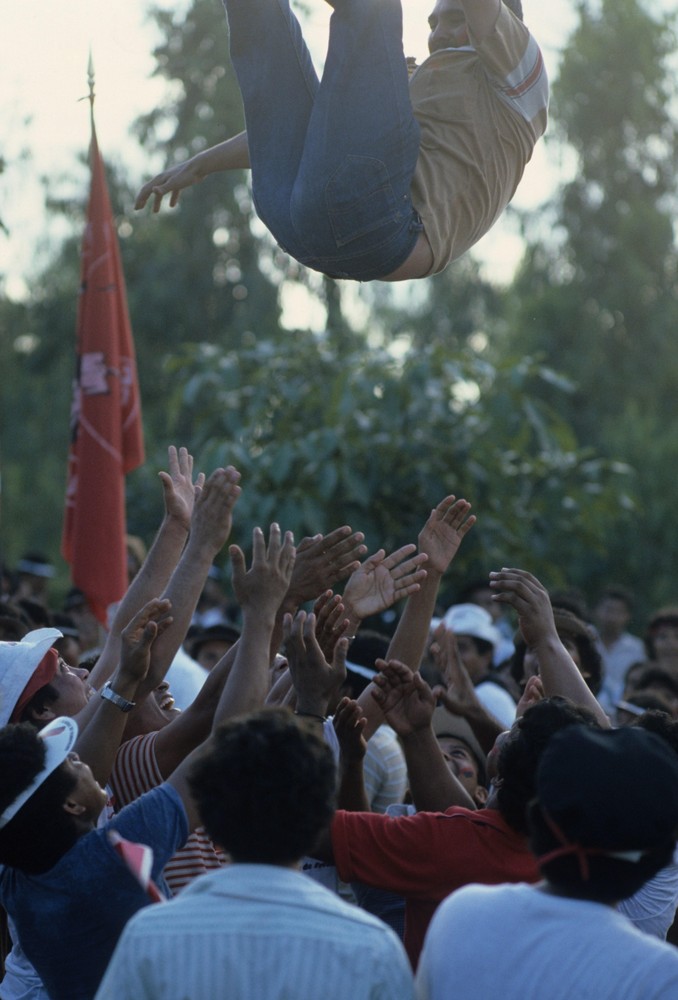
(90, 78)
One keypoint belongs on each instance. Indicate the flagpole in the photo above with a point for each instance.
(106, 439)
(90, 84)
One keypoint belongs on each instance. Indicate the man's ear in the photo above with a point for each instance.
(41, 717)
(73, 807)
(480, 796)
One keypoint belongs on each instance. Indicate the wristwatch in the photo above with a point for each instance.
(109, 694)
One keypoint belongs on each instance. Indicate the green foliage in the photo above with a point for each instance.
(324, 437)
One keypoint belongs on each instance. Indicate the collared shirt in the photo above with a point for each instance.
(250, 932)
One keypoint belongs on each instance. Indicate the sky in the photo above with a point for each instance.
(44, 126)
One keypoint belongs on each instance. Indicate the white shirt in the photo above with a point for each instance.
(256, 932)
(617, 658)
(653, 908)
(497, 702)
(517, 943)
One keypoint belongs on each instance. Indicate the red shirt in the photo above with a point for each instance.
(427, 856)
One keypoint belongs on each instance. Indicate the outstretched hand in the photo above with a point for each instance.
(315, 678)
(139, 635)
(323, 560)
(179, 489)
(534, 692)
(529, 599)
(331, 623)
(171, 181)
(349, 724)
(457, 693)
(403, 696)
(383, 580)
(443, 533)
(213, 511)
(261, 589)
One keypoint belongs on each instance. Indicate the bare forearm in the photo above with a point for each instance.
(100, 738)
(150, 581)
(232, 154)
(183, 590)
(352, 794)
(434, 788)
(407, 645)
(411, 635)
(560, 676)
(247, 685)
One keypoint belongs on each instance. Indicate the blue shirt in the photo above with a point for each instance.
(69, 918)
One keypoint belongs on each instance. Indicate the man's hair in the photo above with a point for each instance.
(520, 754)
(41, 832)
(617, 592)
(265, 787)
(661, 724)
(654, 677)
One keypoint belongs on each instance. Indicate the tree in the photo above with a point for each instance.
(599, 301)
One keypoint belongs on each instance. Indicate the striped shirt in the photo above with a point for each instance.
(257, 932)
(136, 771)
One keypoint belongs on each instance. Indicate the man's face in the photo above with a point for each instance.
(448, 26)
(612, 616)
(462, 763)
(153, 713)
(665, 642)
(211, 652)
(87, 792)
(74, 689)
(477, 664)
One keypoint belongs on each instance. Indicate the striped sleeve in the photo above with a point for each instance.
(135, 770)
(515, 67)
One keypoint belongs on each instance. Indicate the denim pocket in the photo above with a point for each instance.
(360, 198)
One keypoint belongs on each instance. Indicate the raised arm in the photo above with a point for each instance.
(259, 591)
(458, 694)
(210, 527)
(558, 672)
(481, 17)
(100, 738)
(349, 722)
(407, 702)
(179, 495)
(232, 154)
(322, 561)
(438, 543)
(439, 539)
(315, 677)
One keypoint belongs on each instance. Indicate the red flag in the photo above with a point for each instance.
(106, 431)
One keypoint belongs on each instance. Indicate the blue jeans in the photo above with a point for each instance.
(332, 159)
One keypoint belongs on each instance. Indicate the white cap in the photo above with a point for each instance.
(18, 663)
(471, 619)
(59, 737)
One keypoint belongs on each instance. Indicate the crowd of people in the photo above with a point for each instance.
(268, 795)
(482, 802)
